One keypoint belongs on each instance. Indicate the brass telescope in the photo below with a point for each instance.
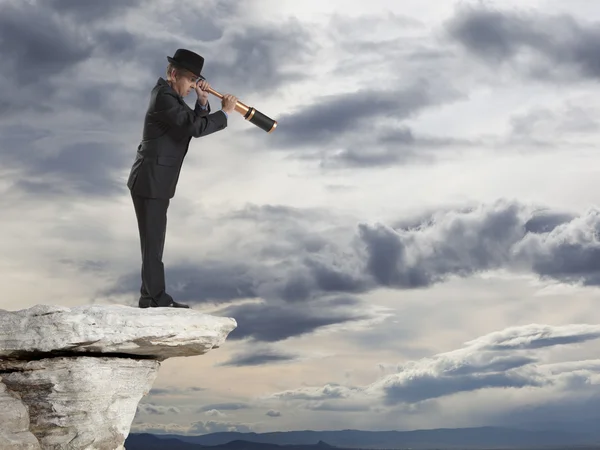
(251, 114)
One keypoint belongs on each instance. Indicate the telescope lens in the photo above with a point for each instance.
(257, 118)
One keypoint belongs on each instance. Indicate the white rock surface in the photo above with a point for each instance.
(81, 402)
(14, 423)
(71, 378)
(158, 332)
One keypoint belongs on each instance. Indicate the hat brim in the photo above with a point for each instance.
(185, 66)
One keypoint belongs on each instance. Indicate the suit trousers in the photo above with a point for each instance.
(151, 216)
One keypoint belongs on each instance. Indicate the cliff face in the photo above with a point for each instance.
(71, 378)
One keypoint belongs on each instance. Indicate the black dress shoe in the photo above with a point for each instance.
(151, 303)
(146, 303)
(174, 304)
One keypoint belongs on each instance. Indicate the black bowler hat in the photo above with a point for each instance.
(188, 60)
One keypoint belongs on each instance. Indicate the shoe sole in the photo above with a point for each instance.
(151, 305)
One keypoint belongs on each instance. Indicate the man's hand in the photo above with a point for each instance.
(201, 89)
(228, 103)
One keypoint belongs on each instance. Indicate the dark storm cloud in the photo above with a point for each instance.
(461, 247)
(274, 322)
(213, 281)
(570, 254)
(258, 358)
(540, 46)
(81, 167)
(425, 387)
(546, 221)
(307, 287)
(462, 244)
(351, 129)
(91, 11)
(497, 360)
(48, 48)
(305, 279)
(221, 282)
(36, 44)
(294, 263)
(502, 359)
(51, 38)
(306, 304)
(44, 51)
(333, 116)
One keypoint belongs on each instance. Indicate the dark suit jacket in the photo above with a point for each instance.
(169, 126)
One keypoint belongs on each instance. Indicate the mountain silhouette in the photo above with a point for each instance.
(444, 438)
(147, 441)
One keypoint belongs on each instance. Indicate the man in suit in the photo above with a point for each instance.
(169, 126)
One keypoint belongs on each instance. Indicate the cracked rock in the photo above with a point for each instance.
(71, 378)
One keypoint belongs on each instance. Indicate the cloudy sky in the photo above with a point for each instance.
(415, 246)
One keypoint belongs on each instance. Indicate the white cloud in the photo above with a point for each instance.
(516, 359)
(215, 413)
(195, 428)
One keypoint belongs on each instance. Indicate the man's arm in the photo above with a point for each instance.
(200, 109)
(168, 110)
(205, 109)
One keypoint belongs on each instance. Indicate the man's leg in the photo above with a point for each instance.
(151, 216)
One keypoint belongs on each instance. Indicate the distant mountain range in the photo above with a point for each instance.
(152, 442)
(444, 438)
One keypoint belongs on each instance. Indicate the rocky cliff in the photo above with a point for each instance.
(71, 378)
